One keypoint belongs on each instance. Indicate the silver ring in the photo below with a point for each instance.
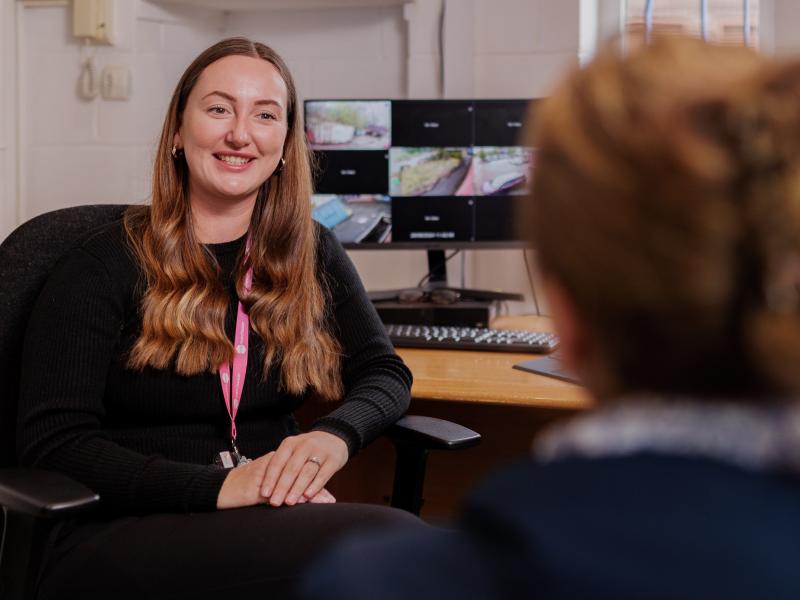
(316, 460)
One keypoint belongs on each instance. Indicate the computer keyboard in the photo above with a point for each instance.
(471, 338)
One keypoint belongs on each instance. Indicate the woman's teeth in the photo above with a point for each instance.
(233, 160)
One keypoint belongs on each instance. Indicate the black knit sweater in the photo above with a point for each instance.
(145, 441)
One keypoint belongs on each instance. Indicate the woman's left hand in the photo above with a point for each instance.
(301, 466)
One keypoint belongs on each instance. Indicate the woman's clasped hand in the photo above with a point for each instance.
(295, 473)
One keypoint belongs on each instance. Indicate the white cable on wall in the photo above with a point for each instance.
(746, 22)
(440, 45)
(704, 19)
(648, 20)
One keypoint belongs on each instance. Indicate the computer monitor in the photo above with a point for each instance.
(429, 174)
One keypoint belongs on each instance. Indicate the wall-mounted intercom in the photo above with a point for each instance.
(93, 20)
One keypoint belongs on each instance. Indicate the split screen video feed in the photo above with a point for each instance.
(418, 171)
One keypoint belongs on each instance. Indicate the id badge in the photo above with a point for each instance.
(224, 459)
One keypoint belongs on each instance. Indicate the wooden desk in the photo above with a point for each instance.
(488, 377)
(479, 390)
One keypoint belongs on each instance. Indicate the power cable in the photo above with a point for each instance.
(441, 47)
(531, 284)
(429, 274)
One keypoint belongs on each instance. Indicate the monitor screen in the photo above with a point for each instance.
(419, 173)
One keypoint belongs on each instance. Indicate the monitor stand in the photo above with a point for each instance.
(437, 267)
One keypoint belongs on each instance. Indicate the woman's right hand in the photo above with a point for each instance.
(242, 486)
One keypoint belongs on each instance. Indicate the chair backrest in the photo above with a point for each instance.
(26, 258)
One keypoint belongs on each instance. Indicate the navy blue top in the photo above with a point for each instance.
(640, 526)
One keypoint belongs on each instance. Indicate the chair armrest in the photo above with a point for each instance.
(429, 433)
(44, 494)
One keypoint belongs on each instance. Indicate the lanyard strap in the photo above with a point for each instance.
(233, 384)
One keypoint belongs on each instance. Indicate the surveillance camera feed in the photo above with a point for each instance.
(430, 172)
(501, 170)
(348, 125)
(424, 173)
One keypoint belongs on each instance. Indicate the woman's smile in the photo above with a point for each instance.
(233, 130)
(234, 162)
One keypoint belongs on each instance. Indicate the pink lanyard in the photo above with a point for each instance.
(232, 387)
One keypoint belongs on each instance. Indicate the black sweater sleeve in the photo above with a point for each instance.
(74, 419)
(72, 335)
(377, 382)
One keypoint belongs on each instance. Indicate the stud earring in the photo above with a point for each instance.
(175, 151)
(281, 164)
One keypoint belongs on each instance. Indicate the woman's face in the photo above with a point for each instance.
(233, 129)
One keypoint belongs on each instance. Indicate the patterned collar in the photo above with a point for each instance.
(757, 436)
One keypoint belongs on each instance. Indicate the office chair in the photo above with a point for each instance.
(34, 500)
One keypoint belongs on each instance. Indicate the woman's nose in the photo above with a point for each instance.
(239, 134)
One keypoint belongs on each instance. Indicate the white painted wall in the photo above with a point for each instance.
(100, 151)
(782, 17)
(8, 131)
(335, 53)
(423, 59)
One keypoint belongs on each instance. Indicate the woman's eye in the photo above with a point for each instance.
(266, 116)
(217, 110)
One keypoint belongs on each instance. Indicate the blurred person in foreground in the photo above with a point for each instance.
(665, 211)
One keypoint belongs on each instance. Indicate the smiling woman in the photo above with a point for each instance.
(232, 135)
(183, 338)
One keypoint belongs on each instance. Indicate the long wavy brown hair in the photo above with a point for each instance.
(666, 204)
(185, 303)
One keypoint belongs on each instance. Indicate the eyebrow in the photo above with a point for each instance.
(232, 99)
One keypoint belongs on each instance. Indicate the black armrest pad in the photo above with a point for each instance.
(432, 434)
(43, 493)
